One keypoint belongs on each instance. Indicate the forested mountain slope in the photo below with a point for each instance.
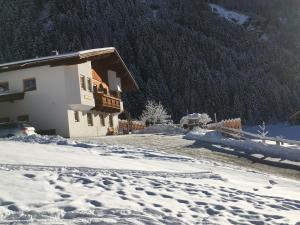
(181, 52)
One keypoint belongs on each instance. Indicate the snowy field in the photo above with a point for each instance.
(58, 181)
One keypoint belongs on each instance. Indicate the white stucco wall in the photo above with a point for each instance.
(81, 128)
(77, 98)
(46, 106)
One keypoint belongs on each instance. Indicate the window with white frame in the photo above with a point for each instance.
(90, 119)
(76, 116)
(102, 120)
(111, 121)
(82, 82)
(89, 84)
(29, 84)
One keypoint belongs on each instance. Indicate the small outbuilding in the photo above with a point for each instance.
(295, 118)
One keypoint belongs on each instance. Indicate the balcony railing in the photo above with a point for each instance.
(107, 103)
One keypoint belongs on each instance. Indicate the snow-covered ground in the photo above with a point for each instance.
(231, 16)
(57, 181)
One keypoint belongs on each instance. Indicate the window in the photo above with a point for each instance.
(4, 87)
(90, 85)
(29, 84)
(102, 120)
(23, 118)
(89, 119)
(111, 121)
(4, 119)
(82, 82)
(76, 116)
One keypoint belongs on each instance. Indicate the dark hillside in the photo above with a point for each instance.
(180, 52)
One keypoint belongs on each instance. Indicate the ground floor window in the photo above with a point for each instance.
(23, 118)
(4, 119)
(89, 119)
(4, 87)
(111, 121)
(29, 84)
(102, 120)
(76, 116)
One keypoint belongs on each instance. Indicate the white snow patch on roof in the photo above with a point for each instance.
(231, 16)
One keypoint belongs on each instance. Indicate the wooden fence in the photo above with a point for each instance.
(230, 123)
(126, 126)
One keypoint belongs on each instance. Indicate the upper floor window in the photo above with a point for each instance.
(29, 84)
(4, 87)
(89, 84)
(82, 82)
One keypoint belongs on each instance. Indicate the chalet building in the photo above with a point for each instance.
(74, 94)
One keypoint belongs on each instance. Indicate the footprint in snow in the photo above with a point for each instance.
(5, 203)
(182, 201)
(123, 197)
(167, 210)
(107, 182)
(212, 212)
(69, 208)
(201, 203)
(272, 182)
(95, 203)
(84, 181)
(13, 208)
(51, 182)
(65, 195)
(59, 187)
(139, 189)
(150, 193)
(157, 205)
(121, 192)
(28, 175)
(166, 196)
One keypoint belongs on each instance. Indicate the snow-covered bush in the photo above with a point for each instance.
(155, 113)
(204, 119)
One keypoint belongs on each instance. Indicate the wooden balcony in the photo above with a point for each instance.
(107, 103)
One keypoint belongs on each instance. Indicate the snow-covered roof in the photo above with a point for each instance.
(77, 57)
(79, 54)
